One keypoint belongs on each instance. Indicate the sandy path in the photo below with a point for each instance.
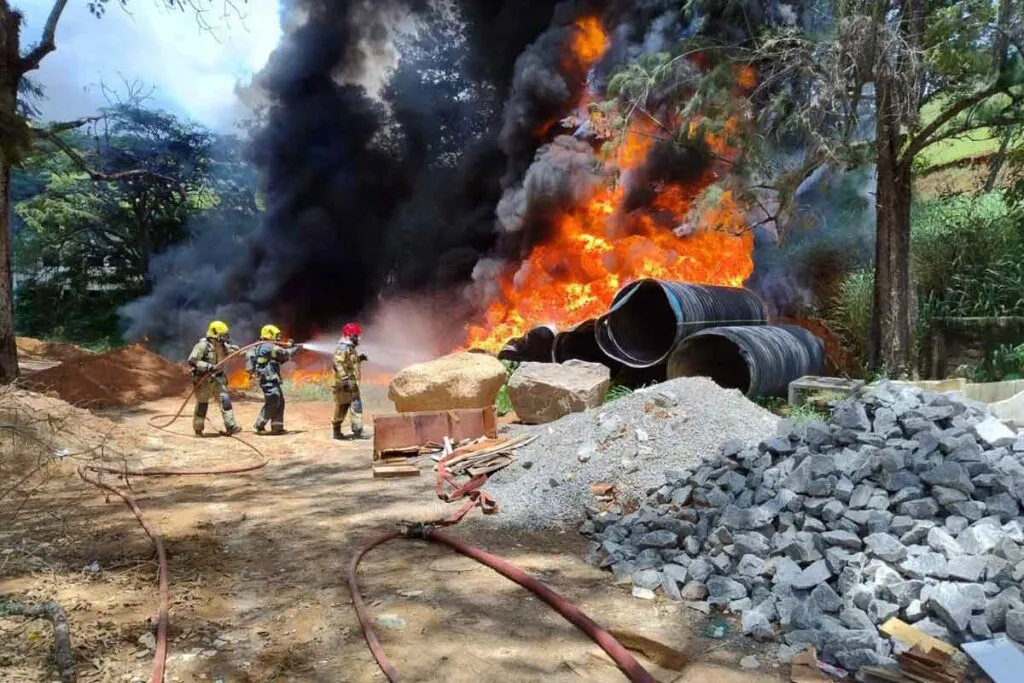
(257, 575)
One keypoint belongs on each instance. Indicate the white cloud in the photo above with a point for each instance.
(193, 70)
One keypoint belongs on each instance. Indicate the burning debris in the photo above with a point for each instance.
(372, 198)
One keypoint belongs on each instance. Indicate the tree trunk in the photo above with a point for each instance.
(8, 348)
(891, 348)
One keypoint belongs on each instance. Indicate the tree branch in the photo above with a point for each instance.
(93, 174)
(64, 656)
(921, 140)
(47, 43)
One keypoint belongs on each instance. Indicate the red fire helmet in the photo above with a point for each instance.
(351, 330)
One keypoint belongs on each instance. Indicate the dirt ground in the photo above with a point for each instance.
(258, 566)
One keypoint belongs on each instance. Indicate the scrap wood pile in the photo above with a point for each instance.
(470, 457)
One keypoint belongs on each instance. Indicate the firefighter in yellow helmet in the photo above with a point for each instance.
(264, 363)
(210, 381)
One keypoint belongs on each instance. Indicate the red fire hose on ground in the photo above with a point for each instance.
(477, 498)
(471, 490)
(93, 474)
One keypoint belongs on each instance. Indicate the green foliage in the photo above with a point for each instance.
(503, 404)
(617, 391)
(83, 247)
(850, 310)
(771, 403)
(307, 391)
(805, 413)
(969, 257)
(1004, 364)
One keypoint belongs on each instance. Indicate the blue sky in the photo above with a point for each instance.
(193, 71)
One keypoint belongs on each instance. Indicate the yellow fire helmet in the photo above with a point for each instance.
(217, 330)
(270, 332)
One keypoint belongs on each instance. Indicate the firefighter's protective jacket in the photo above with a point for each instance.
(347, 364)
(264, 361)
(206, 354)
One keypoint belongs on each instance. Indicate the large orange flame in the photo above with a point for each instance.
(597, 247)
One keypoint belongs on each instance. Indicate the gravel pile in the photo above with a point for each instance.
(628, 443)
(905, 504)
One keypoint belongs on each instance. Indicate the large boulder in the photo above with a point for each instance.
(461, 380)
(544, 392)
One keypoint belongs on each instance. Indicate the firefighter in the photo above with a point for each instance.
(209, 380)
(347, 360)
(264, 363)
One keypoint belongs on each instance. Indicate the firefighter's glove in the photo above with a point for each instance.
(363, 357)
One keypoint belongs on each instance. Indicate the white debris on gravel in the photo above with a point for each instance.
(629, 443)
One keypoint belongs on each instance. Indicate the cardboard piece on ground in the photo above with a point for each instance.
(659, 653)
(392, 471)
(416, 429)
(804, 668)
(905, 633)
(998, 658)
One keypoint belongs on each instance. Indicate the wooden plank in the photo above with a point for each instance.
(393, 471)
(417, 429)
(884, 674)
(907, 634)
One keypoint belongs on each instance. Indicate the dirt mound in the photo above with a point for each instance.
(121, 377)
(37, 349)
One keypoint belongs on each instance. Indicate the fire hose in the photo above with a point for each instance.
(477, 498)
(471, 490)
(87, 472)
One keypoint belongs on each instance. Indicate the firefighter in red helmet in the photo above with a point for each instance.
(347, 361)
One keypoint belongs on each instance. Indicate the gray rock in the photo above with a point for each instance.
(997, 607)
(902, 592)
(933, 629)
(647, 578)
(786, 653)
(947, 496)
(850, 414)
(919, 532)
(825, 599)
(694, 591)
(994, 433)
(675, 572)
(973, 510)
(914, 612)
(757, 625)
(919, 509)
(901, 524)
(942, 542)
(750, 566)
(886, 547)
(832, 511)
(643, 593)
(813, 525)
(699, 570)
(722, 590)
(956, 524)
(842, 539)
(966, 567)
(741, 605)
(801, 548)
(812, 576)
(1015, 624)
(881, 611)
(1008, 550)
(751, 543)
(949, 603)
(853, 660)
(699, 606)
(925, 565)
(860, 496)
(659, 539)
(979, 539)
(1002, 504)
(979, 628)
(855, 618)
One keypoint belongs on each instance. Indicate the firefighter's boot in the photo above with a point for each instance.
(338, 436)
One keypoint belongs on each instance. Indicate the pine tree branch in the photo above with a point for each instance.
(47, 43)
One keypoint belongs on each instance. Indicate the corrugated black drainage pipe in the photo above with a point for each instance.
(759, 361)
(648, 318)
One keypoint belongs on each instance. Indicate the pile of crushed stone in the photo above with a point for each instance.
(118, 378)
(37, 349)
(628, 443)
